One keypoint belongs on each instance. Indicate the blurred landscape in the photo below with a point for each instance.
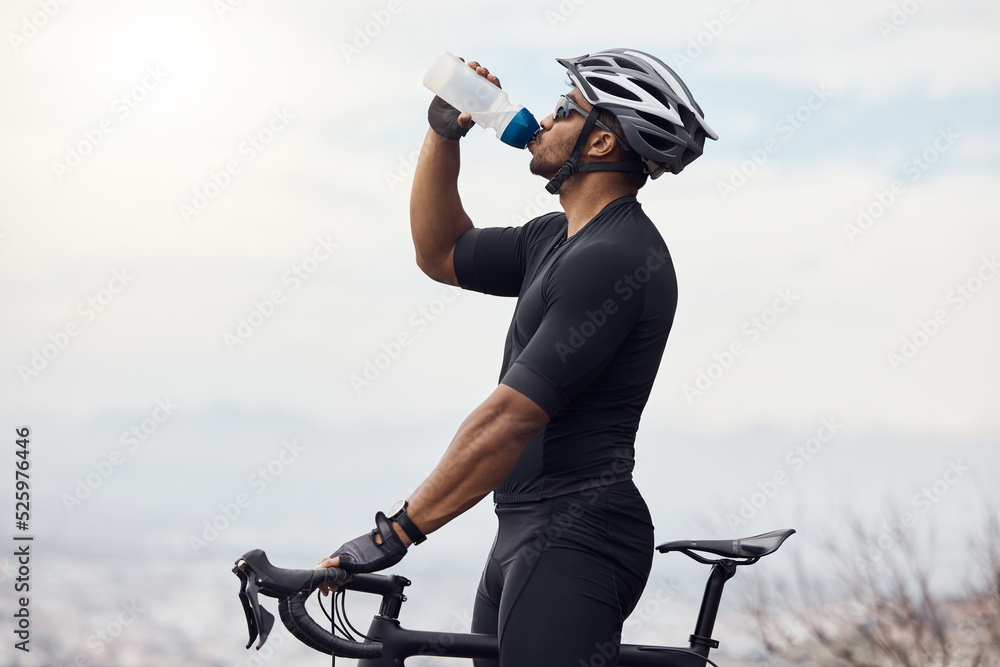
(134, 543)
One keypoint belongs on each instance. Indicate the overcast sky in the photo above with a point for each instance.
(117, 116)
(205, 202)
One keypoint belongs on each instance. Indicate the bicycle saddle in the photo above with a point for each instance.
(747, 547)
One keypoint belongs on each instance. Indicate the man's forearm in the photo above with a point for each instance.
(437, 218)
(484, 451)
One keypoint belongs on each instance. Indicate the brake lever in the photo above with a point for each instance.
(259, 620)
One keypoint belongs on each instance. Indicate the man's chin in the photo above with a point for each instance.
(538, 168)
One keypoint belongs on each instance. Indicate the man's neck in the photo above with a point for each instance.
(586, 198)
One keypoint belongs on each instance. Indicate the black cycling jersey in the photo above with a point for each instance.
(592, 318)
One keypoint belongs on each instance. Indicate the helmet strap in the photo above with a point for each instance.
(570, 166)
(611, 166)
(573, 165)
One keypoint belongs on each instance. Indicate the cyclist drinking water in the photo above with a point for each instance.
(596, 295)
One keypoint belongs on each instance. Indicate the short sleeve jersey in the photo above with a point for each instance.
(592, 318)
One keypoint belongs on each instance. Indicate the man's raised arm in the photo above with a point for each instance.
(437, 218)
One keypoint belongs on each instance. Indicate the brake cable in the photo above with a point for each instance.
(347, 621)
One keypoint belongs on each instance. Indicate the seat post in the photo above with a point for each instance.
(701, 640)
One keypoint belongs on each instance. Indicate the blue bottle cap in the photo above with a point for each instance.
(520, 130)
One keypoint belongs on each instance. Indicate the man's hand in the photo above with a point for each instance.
(376, 550)
(446, 120)
(325, 563)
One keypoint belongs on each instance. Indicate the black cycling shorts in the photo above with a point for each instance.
(563, 575)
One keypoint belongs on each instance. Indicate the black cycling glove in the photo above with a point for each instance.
(364, 554)
(444, 119)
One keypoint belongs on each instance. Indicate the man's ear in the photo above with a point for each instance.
(602, 144)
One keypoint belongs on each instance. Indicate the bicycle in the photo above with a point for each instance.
(388, 644)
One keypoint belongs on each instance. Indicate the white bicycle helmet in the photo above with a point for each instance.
(659, 117)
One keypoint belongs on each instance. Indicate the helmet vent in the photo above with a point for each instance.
(689, 155)
(689, 120)
(655, 92)
(612, 88)
(659, 122)
(628, 64)
(657, 142)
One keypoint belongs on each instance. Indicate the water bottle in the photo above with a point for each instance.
(459, 85)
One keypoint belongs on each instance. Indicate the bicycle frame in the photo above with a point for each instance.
(388, 644)
(400, 643)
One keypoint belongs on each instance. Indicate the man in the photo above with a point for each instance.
(596, 298)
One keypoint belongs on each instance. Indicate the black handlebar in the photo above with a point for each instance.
(292, 588)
